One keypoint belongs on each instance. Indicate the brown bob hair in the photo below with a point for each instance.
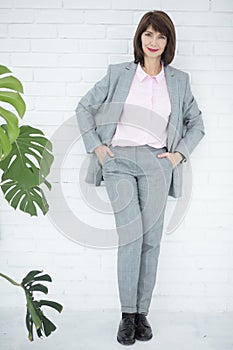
(162, 23)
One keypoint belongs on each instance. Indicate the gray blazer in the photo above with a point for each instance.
(99, 111)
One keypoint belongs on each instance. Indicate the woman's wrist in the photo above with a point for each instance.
(179, 155)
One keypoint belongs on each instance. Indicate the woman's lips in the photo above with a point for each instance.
(152, 50)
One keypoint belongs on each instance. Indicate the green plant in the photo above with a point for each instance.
(25, 152)
(35, 315)
(25, 161)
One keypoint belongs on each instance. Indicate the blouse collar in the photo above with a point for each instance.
(142, 74)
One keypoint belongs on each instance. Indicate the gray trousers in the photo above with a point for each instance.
(137, 183)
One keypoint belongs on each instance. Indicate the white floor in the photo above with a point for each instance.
(89, 330)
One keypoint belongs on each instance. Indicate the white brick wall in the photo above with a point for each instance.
(59, 49)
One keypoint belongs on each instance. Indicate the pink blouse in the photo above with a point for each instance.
(146, 111)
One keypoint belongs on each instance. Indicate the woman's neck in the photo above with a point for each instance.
(152, 67)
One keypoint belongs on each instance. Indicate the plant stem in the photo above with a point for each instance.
(10, 280)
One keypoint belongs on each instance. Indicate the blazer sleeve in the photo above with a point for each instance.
(87, 108)
(193, 123)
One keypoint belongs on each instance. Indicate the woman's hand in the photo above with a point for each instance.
(174, 157)
(101, 152)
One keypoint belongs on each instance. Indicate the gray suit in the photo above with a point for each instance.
(137, 181)
(99, 111)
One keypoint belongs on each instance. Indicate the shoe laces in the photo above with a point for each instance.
(129, 320)
(142, 319)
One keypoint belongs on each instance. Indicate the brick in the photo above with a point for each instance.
(219, 105)
(6, 59)
(222, 6)
(67, 74)
(185, 48)
(14, 45)
(44, 89)
(178, 289)
(206, 262)
(38, 4)
(212, 192)
(53, 103)
(103, 46)
(190, 63)
(223, 136)
(216, 149)
(4, 204)
(209, 221)
(129, 5)
(223, 290)
(212, 77)
(222, 91)
(83, 60)
(164, 5)
(223, 63)
(200, 19)
(54, 45)
(81, 31)
(68, 176)
(92, 75)
(23, 74)
(208, 275)
(48, 130)
(18, 245)
(172, 248)
(6, 4)
(19, 217)
(79, 89)
(9, 230)
(120, 58)
(3, 30)
(202, 91)
(219, 177)
(181, 5)
(120, 32)
(87, 4)
(45, 117)
(227, 119)
(61, 16)
(194, 33)
(175, 263)
(108, 17)
(85, 288)
(206, 249)
(218, 235)
(32, 31)
(213, 49)
(16, 16)
(88, 302)
(35, 59)
(63, 246)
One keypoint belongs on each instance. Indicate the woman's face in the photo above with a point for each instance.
(153, 43)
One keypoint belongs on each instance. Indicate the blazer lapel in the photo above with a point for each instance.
(172, 86)
(125, 81)
(115, 106)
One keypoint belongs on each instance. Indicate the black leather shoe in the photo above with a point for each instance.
(143, 329)
(126, 331)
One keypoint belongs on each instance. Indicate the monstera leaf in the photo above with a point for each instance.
(14, 99)
(35, 315)
(25, 153)
(25, 169)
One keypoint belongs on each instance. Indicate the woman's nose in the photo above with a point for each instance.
(154, 41)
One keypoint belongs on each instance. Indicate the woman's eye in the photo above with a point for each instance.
(160, 37)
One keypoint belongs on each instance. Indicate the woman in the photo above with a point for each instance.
(140, 123)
